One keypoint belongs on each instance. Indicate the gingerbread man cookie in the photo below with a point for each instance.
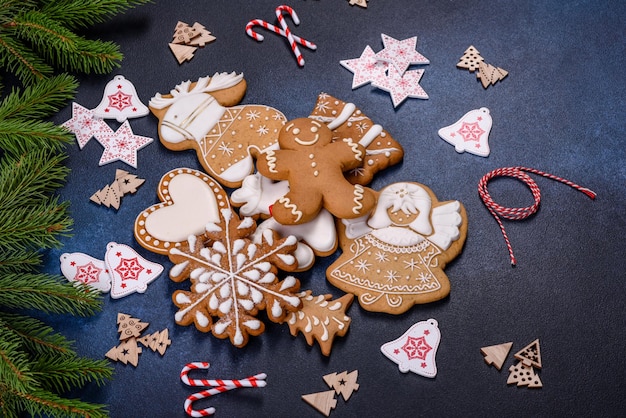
(314, 166)
(347, 121)
(202, 116)
(395, 257)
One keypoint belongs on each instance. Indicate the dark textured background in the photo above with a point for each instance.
(561, 109)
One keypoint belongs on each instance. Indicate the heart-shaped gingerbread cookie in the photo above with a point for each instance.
(189, 200)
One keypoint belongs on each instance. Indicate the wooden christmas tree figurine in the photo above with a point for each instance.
(470, 60)
(322, 401)
(496, 354)
(127, 352)
(158, 341)
(530, 355)
(129, 327)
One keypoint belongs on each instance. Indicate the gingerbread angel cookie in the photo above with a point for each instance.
(314, 166)
(394, 258)
(347, 121)
(203, 116)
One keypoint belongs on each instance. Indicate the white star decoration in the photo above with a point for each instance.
(402, 87)
(84, 125)
(121, 145)
(366, 68)
(388, 69)
(401, 53)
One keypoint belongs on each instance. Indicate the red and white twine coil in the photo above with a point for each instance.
(498, 211)
(216, 386)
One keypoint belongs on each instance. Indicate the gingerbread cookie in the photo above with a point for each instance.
(395, 257)
(232, 279)
(203, 116)
(347, 121)
(314, 165)
(189, 200)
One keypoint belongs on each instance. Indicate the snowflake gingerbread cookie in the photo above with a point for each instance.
(314, 165)
(394, 258)
(203, 116)
(233, 279)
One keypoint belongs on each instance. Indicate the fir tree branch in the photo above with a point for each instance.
(29, 179)
(40, 100)
(47, 293)
(19, 261)
(84, 13)
(34, 226)
(62, 373)
(62, 47)
(20, 60)
(18, 136)
(45, 403)
(35, 336)
(13, 361)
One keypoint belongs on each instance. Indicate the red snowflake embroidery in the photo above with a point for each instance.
(120, 100)
(129, 269)
(88, 273)
(471, 131)
(416, 348)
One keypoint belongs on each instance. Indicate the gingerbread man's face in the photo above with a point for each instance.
(302, 133)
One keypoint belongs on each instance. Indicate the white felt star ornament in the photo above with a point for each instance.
(401, 87)
(367, 68)
(121, 145)
(401, 54)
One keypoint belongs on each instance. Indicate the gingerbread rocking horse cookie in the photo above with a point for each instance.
(394, 258)
(204, 116)
(314, 167)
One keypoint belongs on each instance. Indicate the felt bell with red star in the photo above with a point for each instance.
(120, 101)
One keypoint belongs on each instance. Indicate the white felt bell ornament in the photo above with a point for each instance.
(416, 349)
(470, 133)
(120, 101)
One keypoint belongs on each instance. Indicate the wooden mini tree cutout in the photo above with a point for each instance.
(470, 60)
(495, 355)
(129, 327)
(344, 383)
(488, 74)
(187, 39)
(127, 352)
(530, 355)
(157, 342)
(111, 196)
(523, 375)
(324, 402)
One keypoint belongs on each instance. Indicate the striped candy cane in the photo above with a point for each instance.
(217, 386)
(262, 23)
(282, 31)
(519, 213)
(283, 24)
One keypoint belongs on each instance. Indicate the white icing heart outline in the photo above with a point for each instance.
(205, 197)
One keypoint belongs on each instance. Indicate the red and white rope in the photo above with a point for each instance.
(498, 211)
(216, 386)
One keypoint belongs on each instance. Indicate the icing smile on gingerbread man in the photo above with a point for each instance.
(297, 131)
